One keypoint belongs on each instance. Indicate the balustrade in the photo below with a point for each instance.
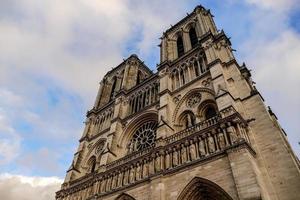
(205, 139)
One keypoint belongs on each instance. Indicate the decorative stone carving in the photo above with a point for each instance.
(175, 157)
(221, 139)
(167, 160)
(211, 144)
(132, 175)
(157, 163)
(202, 151)
(183, 154)
(138, 173)
(145, 169)
(192, 151)
(177, 99)
(194, 100)
(232, 133)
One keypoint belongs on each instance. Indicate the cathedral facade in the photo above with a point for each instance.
(195, 129)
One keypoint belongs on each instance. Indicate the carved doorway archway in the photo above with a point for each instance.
(203, 189)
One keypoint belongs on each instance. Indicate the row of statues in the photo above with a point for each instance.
(189, 150)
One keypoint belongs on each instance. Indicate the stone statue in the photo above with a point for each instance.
(232, 133)
(221, 140)
(167, 161)
(175, 157)
(114, 181)
(120, 179)
(151, 166)
(211, 144)
(103, 183)
(132, 175)
(157, 163)
(108, 183)
(192, 151)
(202, 151)
(145, 169)
(183, 154)
(138, 172)
(125, 181)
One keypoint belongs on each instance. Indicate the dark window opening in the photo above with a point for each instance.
(193, 37)
(196, 68)
(93, 167)
(182, 77)
(113, 88)
(210, 112)
(180, 48)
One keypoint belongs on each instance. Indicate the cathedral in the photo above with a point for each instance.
(197, 129)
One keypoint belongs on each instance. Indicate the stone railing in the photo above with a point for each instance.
(205, 140)
(190, 130)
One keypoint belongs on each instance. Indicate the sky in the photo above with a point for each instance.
(53, 54)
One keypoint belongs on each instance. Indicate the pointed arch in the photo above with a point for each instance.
(180, 47)
(124, 196)
(204, 189)
(193, 37)
(187, 119)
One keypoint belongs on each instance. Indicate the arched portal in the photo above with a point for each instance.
(203, 189)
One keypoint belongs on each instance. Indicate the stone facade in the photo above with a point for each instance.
(195, 129)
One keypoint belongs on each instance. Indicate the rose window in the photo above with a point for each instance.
(143, 137)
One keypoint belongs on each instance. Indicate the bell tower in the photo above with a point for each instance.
(195, 129)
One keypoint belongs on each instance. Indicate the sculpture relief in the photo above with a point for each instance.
(232, 133)
(138, 172)
(183, 154)
(192, 151)
(168, 160)
(175, 157)
(157, 163)
(211, 144)
(132, 175)
(202, 151)
(221, 139)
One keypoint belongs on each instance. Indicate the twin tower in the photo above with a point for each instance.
(196, 129)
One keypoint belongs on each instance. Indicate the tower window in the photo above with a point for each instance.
(113, 88)
(193, 37)
(210, 112)
(180, 48)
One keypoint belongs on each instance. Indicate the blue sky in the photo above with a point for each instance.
(54, 53)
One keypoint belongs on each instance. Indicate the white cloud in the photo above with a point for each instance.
(28, 188)
(274, 4)
(9, 139)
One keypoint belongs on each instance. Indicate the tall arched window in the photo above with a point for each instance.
(92, 164)
(182, 76)
(193, 37)
(180, 48)
(113, 87)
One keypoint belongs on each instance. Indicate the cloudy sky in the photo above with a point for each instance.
(53, 54)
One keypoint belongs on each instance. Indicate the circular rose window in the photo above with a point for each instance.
(143, 137)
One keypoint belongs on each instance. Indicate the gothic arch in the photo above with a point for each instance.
(204, 106)
(134, 125)
(187, 95)
(124, 196)
(203, 189)
(187, 119)
(97, 148)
